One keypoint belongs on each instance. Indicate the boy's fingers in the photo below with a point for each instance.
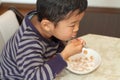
(77, 41)
(82, 41)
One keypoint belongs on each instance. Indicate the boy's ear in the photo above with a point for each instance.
(47, 25)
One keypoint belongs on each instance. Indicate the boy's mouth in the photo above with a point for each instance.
(74, 36)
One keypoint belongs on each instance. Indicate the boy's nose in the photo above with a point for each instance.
(76, 28)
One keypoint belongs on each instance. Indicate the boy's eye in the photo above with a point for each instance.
(72, 25)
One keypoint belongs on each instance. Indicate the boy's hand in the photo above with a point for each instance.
(73, 47)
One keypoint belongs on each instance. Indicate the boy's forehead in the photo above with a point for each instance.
(73, 14)
(73, 18)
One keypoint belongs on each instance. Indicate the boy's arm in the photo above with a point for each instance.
(32, 66)
(57, 64)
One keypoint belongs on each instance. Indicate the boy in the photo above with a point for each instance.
(36, 51)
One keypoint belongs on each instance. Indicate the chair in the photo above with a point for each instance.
(1, 42)
(18, 14)
(9, 23)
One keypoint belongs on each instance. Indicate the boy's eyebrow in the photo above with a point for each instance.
(74, 21)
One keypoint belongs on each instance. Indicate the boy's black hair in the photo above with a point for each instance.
(56, 10)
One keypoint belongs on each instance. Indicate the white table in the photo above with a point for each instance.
(109, 50)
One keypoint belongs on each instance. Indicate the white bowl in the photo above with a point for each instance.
(85, 62)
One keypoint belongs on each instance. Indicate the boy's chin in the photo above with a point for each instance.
(68, 39)
(65, 39)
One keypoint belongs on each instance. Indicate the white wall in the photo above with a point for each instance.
(20, 1)
(104, 3)
(0, 1)
(93, 3)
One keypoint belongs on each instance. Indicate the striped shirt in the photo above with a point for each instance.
(29, 56)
